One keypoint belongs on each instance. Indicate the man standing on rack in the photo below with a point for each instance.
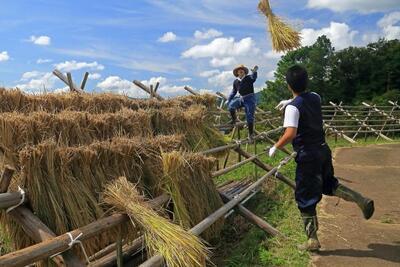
(244, 84)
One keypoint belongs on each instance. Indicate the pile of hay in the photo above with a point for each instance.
(17, 101)
(178, 247)
(63, 183)
(189, 182)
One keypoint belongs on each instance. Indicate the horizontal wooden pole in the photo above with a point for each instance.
(59, 244)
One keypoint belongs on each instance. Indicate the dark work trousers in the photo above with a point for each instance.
(314, 177)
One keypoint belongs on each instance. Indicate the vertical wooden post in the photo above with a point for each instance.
(119, 249)
(70, 83)
(84, 80)
(239, 156)
(6, 178)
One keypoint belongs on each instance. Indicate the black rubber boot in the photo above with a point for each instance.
(250, 126)
(365, 204)
(310, 228)
(234, 119)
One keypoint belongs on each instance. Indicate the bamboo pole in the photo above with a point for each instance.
(5, 178)
(361, 123)
(84, 80)
(190, 90)
(60, 243)
(146, 89)
(157, 260)
(64, 79)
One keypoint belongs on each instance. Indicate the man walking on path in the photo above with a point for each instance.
(244, 84)
(314, 170)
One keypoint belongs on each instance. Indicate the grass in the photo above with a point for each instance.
(243, 244)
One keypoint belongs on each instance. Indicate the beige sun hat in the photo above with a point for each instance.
(240, 67)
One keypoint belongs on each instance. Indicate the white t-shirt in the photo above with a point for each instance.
(292, 115)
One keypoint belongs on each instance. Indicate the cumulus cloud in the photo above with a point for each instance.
(74, 65)
(208, 73)
(37, 82)
(43, 60)
(389, 25)
(340, 35)
(273, 55)
(154, 80)
(30, 74)
(223, 79)
(222, 47)
(220, 62)
(362, 6)
(4, 56)
(165, 87)
(167, 37)
(117, 85)
(94, 76)
(203, 35)
(40, 40)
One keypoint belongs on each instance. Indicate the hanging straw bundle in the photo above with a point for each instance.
(188, 181)
(178, 247)
(284, 38)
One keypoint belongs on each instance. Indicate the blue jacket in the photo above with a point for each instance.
(244, 87)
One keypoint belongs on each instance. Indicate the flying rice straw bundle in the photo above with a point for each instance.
(178, 247)
(284, 38)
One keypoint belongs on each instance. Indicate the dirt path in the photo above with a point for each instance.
(349, 240)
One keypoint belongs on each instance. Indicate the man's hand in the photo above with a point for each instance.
(283, 104)
(272, 151)
(255, 69)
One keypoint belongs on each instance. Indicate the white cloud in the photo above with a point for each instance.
(94, 76)
(206, 91)
(222, 47)
(223, 79)
(30, 74)
(61, 90)
(273, 55)
(115, 84)
(220, 62)
(270, 75)
(168, 37)
(74, 65)
(389, 27)
(208, 73)
(362, 6)
(154, 80)
(4, 56)
(340, 35)
(40, 40)
(165, 88)
(43, 60)
(38, 83)
(211, 33)
(185, 79)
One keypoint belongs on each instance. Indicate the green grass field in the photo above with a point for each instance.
(244, 244)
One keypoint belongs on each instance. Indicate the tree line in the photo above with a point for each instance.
(351, 75)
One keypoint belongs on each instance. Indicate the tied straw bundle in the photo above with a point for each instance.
(284, 38)
(178, 247)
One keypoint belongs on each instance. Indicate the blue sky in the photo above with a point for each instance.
(177, 43)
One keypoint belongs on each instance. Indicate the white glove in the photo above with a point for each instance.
(283, 104)
(272, 151)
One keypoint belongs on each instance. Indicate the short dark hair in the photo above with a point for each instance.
(297, 78)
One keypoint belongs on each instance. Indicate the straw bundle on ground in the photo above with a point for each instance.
(188, 180)
(14, 100)
(179, 248)
(284, 38)
(63, 183)
(193, 123)
(68, 128)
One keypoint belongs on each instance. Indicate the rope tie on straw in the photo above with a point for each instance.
(22, 192)
(278, 168)
(74, 241)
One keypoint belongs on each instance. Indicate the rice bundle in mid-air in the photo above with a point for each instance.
(178, 247)
(284, 38)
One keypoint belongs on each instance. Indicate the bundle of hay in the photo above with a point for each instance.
(17, 101)
(68, 128)
(284, 38)
(194, 123)
(63, 183)
(179, 248)
(189, 182)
